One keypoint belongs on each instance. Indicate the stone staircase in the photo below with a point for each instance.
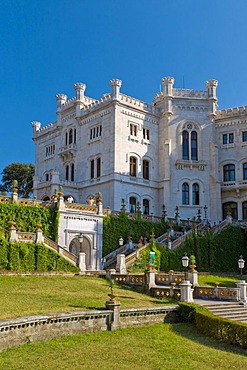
(228, 310)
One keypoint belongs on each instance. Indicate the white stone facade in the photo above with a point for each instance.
(177, 151)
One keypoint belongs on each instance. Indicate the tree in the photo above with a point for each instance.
(21, 172)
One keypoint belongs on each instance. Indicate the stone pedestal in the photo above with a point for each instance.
(121, 266)
(82, 262)
(13, 235)
(193, 277)
(114, 306)
(186, 292)
(109, 273)
(242, 285)
(150, 279)
(39, 236)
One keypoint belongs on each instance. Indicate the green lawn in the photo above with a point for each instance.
(33, 295)
(228, 281)
(160, 346)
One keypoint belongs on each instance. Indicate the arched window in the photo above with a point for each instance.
(70, 136)
(74, 136)
(195, 194)
(194, 156)
(132, 205)
(245, 171)
(72, 172)
(145, 169)
(145, 206)
(133, 166)
(185, 193)
(229, 172)
(185, 145)
(67, 173)
(66, 138)
(190, 144)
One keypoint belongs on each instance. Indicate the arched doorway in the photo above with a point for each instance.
(76, 247)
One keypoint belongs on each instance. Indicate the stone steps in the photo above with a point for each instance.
(230, 311)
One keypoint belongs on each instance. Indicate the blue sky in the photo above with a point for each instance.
(48, 45)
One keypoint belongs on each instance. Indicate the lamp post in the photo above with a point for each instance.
(185, 263)
(241, 265)
(120, 242)
(80, 238)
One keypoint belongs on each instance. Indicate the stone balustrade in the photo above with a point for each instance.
(14, 332)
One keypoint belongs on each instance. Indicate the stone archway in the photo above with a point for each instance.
(76, 247)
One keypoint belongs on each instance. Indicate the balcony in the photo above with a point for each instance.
(234, 185)
(67, 151)
(181, 164)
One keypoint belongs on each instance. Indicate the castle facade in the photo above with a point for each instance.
(178, 152)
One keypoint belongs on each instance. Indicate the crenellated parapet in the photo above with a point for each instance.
(231, 112)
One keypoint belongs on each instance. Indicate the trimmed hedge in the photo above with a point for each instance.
(227, 331)
(29, 257)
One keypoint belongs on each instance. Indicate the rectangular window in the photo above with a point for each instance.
(92, 169)
(146, 169)
(224, 138)
(244, 136)
(98, 167)
(231, 138)
(133, 130)
(146, 133)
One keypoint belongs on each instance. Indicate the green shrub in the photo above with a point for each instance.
(227, 331)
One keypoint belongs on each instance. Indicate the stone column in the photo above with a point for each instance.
(186, 292)
(121, 266)
(242, 285)
(82, 262)
(114, 306)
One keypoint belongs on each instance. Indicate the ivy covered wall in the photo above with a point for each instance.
(27, 217)
(114, 228)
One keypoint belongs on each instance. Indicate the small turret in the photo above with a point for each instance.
(168, 83)
(115, 86)
(61, 99)
(211, 86)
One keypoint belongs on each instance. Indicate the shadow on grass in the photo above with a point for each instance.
(189, 331)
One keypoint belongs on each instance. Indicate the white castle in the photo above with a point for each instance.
(179, 152)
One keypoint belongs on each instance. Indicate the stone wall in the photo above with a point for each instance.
(15, 332)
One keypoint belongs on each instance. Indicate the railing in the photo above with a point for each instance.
(26, 237)
(65, 253)
(81, 207)
(219, 293)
